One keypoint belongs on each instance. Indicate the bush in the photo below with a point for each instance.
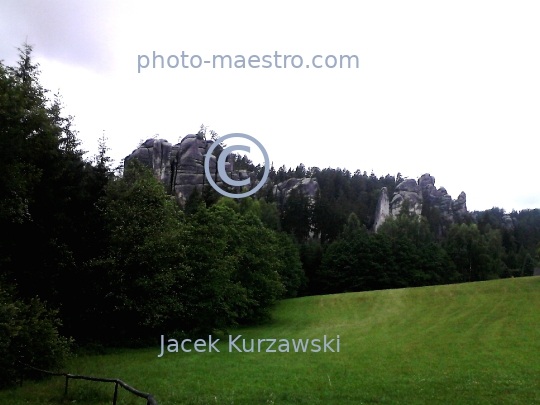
(28, 333)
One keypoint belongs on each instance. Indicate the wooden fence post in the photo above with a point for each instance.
(115, 393)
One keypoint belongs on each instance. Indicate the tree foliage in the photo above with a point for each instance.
(28, 334)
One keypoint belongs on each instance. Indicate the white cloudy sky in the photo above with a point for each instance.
(448, 88)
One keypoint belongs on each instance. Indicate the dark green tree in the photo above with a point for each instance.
(291, 273)
(469, 252)
(235, 263)
(136, 279)
(269, 215)
(311, 254)
(344, 265)
(528, 266)
(296, 215)
(48, 193)
(194, 202)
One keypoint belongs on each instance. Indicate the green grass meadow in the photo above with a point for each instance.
(475, 343)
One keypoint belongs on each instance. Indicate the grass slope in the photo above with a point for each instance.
(476, 343)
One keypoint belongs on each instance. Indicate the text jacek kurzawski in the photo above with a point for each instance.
(239, 345)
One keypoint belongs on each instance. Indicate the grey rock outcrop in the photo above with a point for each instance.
(508, 222)
(155, 154)
(180, 168)
(408, 191)
(383, 209)
(440, 199)
(459, 206)
(308, 186)
(420, 195)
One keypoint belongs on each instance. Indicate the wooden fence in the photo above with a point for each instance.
(149, 397)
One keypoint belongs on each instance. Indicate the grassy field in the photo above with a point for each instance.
(476, 343)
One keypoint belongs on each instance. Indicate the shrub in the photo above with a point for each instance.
(28, 333)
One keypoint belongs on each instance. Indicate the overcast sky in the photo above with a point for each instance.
(446, 88)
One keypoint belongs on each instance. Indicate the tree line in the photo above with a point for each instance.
(479, 245)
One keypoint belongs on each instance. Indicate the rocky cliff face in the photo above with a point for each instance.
(383, 209)
(419, 195)
(409, 191)
(440, 199)
(308, 186)
(180, 168)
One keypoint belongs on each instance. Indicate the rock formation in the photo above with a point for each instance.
(409, 191)
(308, 186)
(508, 222)
(180, 168)
(420, 195)
(383, 209)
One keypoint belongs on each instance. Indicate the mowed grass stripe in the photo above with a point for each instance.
(475, 343)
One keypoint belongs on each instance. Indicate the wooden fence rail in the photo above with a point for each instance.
(149, 397)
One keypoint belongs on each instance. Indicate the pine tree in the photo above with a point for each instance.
(528, 266)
